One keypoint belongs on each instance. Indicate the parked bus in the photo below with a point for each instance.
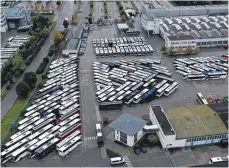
(171, 88)
(69, 128)
(137, 98)
(218, 159)
(41, 131)
(54, 131)
(161, 91)
(67, 139)
(129, 98)
(29, 118)
(110, 105)
(46, 148)
(151, 94)
(200, 98)
(70, 146)
(21, 132)
(23, 151)
(194, 77)
(215, 75)
(68, 120)
(19, 138)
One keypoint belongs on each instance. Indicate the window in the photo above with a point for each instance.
(208, 138)
(204, 138)
(123, 137)
(135, 138)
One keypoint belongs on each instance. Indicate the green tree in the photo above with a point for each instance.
(22, 90)
(46, 60)
(30, 79)
(45, 32)
(123, 17)
(58, 36)
(152, 138)
(120, 8)
(188, 51)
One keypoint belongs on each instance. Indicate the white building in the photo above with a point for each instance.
(152, 26)
(191, 125)
(128, 129)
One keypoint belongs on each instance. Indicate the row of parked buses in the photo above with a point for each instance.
(53, 121)
(131, 82)
(117, 41)
(202, 68)
(125, 49)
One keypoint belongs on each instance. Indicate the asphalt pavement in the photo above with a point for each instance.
(112, 10)
(98, 10)
(67, 9)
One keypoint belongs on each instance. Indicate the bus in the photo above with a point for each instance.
(200, 98)
(151, 94)
(129, 98)
(41, 131)
(69, 112)
(106, 92)
(159, 85)
(150, 77)
(148, 83)
(218, 159)
(107, 96)
(46, 148)
(6, 154)
(165, 78)
(140, 74)
(196, 68)
(194, 77)
(23, 151)
(116, 95)
(99, 135)
(68, 104)
(123, 86)
(21, 132)
(66, 121)
(69, 128)
(123, 95)
(161, 91)
(19, 138)
(138, 86)
(67, 139)
(37, 145)
(171, 88)
(70, 146)
(215, 75)
(137, 98)
(103, 90)
(54, 131)
(164, 73)
(110, 105)
(29, 118)
(44, 122)
(138, 77)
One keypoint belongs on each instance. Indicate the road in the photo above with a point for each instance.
(112, 10)
(67, 9)
(98, 10)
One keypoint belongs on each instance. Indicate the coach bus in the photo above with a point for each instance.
(69, 128)
(161, 91)
(171, 88)
(200, 98)
(99, 135)
(194, 77)
(215, 75)
(110, 105)
(19, 138)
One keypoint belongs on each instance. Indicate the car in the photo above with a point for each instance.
(137, 150)
(143, 149)
(117, 161)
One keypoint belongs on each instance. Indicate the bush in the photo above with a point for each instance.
(22, 90)
(8, 87)
(46, 60)
(112, 154)
(41, 68)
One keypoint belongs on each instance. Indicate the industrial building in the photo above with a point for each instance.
(4, 26)
(190, 125)
(184, 32)
(16, 17)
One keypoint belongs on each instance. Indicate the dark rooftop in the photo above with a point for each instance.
(72, 44)
(217, 164)
(163, 121)
(130, 25)
(128, 124)
(222, 110)
(176, 38)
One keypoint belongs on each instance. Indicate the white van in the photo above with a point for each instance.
(117, 160)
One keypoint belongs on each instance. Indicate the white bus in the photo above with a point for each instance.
(105, 93)
(67, 139)
(107, 96)
(148, 83)
(161, 91)
(123, 95)
(6, 154)
(69, 112)
(103, 90)
(41, 131)
(171, 88)
(137, 98)
(200, 98)
(43, 123)
(29, 118)
(68, 104)
(22, 152)
(46, 148)
(159, 85)
(194, 77)
(116, 95)
(39, 144)
(69, 128)
(70, 146)
(21, 132)
(14, 141)
(68, 120)
(54, 131)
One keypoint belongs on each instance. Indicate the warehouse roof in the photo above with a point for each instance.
(182, 37)
(128, 124)
(122, 26)
(199, 27)
(195, 120)
(162, 120)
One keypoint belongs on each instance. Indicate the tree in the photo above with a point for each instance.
(46, 60)
(45, 32)
(30, 79)
(65, 23)
(152, 138)
(58, 36)
(105, 120)
(58, 3)
(22, 90)
(89, 20)
(188, 51)
(123, 17)
(9, 77)
(74, 19)
(120, 8)
(169, 52)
